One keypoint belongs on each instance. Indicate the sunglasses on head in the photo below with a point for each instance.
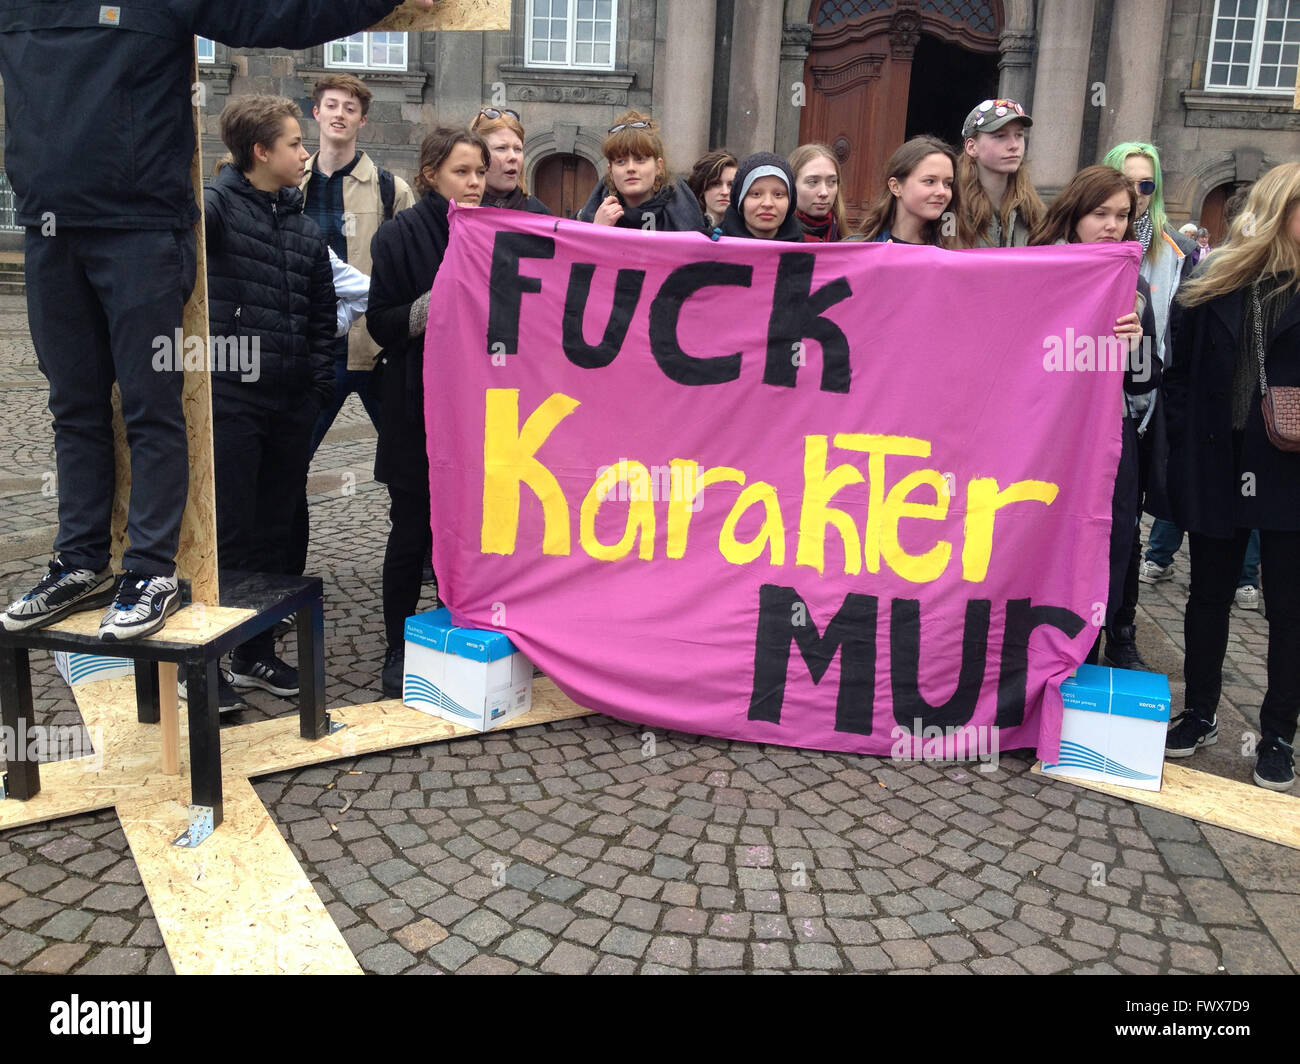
(491, 113)
(1146, 188)
(629, 125)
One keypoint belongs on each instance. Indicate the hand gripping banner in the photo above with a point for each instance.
(817, 496)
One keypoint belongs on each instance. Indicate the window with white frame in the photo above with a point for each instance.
(378, 50)
(1255, 46)
(207, 50)
(571, 33)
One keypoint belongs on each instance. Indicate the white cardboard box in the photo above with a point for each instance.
(1114, 726)
(82, 668)
(467, 676)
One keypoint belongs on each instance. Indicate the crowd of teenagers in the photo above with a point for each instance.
(300, 246)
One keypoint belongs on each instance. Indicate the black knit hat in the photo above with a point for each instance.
(771, 165)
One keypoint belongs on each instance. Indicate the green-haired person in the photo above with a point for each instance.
(1167, 258)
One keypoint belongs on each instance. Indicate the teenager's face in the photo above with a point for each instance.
(1107, 223)
(460, 177)
(339, 115)
(634, 177)
(286, 156)
(507, 161)
(926, 192)
(766, 204)
(718, 195)
(817, 184)
(1140, 168)
(1000, 152)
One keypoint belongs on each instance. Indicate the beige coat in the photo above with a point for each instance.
(363, 213)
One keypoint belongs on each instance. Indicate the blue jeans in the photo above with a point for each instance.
(346, 381)
(1167, 539)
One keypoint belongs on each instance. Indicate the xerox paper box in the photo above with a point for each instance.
(1114, 726)
(82, 668)
(465, 675)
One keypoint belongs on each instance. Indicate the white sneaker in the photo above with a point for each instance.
(60, 592)
(140, 607)
(1151, 573)
(1248, 597)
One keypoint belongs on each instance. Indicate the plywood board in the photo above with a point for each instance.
(129, 756)
(1241, 807)
(194, 624)
(275, 746)
(196, 557)
(237, 904)
(450, 15)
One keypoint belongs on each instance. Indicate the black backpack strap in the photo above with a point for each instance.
(387, 192)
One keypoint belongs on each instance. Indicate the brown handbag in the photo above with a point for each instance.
(1280, 407)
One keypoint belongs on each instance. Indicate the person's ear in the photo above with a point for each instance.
(429, 174)
(894, 187)
(969, 147)
(315, 113)
(659, 167)
(261, 153)
(362, 122)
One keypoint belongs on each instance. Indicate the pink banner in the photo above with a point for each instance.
(846, 497)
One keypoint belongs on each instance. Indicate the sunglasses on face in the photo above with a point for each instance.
(491, 113)
(1146, 188)
(629, 125)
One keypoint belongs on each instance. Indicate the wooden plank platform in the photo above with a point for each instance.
(450, 15)
(1241, 807)
(239, 903)
(192, 625)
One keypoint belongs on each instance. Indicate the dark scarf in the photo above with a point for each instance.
(515, 201)
(818, 232)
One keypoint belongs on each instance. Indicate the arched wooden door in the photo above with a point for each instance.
(860, 75)
(563, 183)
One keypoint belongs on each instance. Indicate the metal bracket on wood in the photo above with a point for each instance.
(200, 827)
(333, 727)
(4, 785)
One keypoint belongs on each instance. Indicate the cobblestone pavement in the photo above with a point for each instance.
(575, 847)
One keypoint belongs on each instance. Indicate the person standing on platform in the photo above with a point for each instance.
(99, 136)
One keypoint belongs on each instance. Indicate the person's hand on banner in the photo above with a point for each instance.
(609, 212)
(1129, 328)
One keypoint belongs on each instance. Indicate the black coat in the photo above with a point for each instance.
(674, 209)
(1204, 476)
(269, 279)
(98, 126)
(405, 256)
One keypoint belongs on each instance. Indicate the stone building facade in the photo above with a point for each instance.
(858, 74)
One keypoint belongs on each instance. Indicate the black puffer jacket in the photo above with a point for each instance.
(674, 209)
(405, 255)
(97, 97)
(269, 280)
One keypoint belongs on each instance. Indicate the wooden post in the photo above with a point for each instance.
(169, 718)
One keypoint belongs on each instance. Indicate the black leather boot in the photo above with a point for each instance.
(1121, 649)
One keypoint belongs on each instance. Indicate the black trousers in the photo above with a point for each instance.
(105, 305)
(261, 470)
(409, 540)
(1216, 565)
